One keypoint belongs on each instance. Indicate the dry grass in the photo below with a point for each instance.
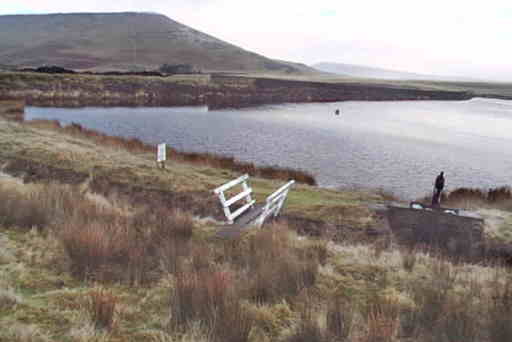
(308, 330)
(269, 285)
(135, 145)
(37, 207)
(382, 321)
(211, 297)
(472, 198)
(273, 265)
(112, 248)
(34, 152)
(23, 333)
(101, 305)
(9, 298)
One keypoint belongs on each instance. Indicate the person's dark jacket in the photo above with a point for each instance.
(440, 182)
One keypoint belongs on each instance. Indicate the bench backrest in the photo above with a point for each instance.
(244, 195)
(274, 203)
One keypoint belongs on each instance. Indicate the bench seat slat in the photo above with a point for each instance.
(237, 197)
(241, 210)
(231, 184)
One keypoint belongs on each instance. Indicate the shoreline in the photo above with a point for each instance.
(215, 91)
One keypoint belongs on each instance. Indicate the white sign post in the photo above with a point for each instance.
(161, 155)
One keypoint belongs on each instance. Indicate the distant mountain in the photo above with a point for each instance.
(122, 41)
(359, 71)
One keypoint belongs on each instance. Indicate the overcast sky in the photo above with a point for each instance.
(444, 37)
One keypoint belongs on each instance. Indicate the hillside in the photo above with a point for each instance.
(360, 71)
(122, 41)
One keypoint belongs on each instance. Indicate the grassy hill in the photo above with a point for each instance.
(122, 41)
(96, 245)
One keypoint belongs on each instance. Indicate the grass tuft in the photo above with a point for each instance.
(101, 305)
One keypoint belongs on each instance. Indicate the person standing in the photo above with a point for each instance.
(438, 188)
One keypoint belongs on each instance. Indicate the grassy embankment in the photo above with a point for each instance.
(79, 263)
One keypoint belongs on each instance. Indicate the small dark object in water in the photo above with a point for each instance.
(337, 112)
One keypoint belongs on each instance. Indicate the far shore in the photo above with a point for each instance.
(216, 91)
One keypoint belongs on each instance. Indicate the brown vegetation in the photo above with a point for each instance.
(269, 285)
(101, 305)
(499, 197)
(148, 272)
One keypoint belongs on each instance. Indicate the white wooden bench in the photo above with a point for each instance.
(250, 213)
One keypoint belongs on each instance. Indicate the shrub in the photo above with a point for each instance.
(21, 210)
(94, 247)
(131, 249)
(275, 268)
(382, 320)
(40, 206)
(210, 297)
(101, 305)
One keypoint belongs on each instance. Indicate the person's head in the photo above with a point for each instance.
(442, 173)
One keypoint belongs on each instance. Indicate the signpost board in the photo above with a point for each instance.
(161, 153)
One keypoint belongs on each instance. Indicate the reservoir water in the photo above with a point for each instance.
(397, 146)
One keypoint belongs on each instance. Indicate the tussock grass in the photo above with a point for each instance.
(273, 264)
(111, 248)
(36, 208)
(101, 305)
(213, 298)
